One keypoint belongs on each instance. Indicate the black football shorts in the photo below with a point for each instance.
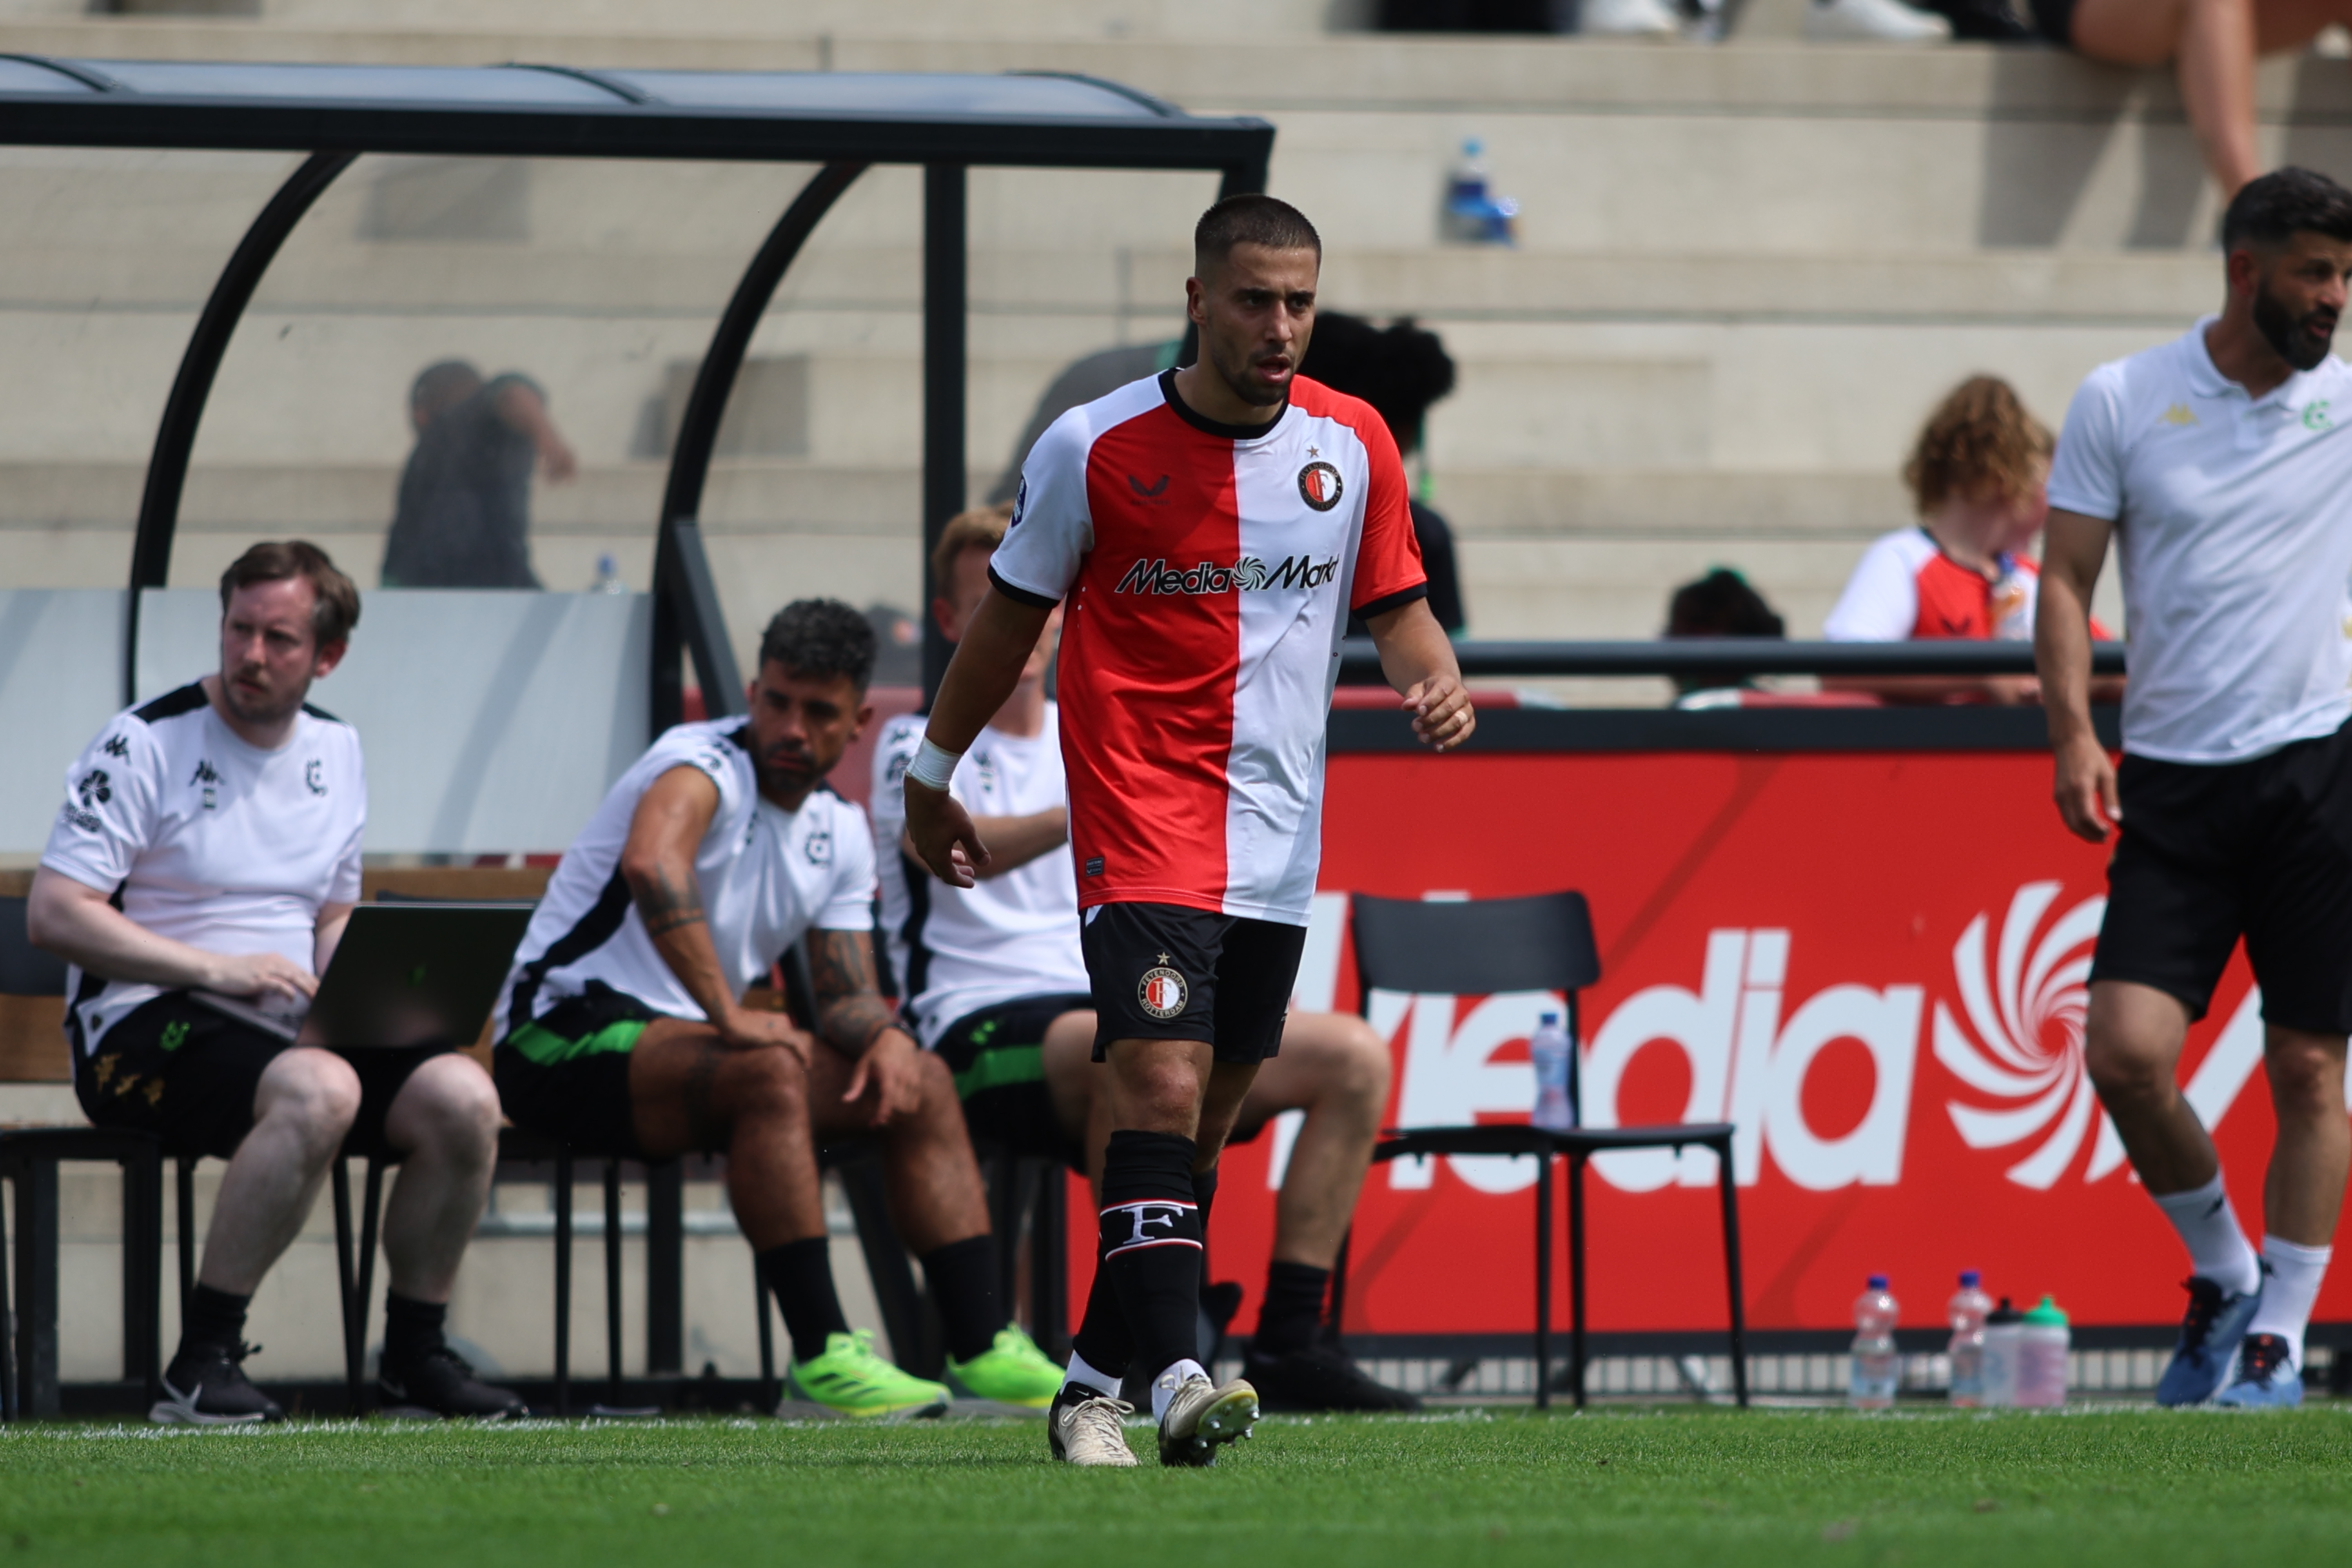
(1166, 971)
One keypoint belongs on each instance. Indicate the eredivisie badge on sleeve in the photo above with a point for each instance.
(1162, 992)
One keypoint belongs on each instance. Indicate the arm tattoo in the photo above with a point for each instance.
(665, 906)
(850, 1011)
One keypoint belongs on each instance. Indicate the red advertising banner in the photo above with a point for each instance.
(1873, 963)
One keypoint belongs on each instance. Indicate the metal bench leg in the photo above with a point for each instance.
(1731, 1273)
(37, 1288)
(664, 1268)
(8, 1411)
(770, 1395)
(371, 1216)
(612, 1283)
(354, 1355)
(186, 1185)
(143, 1269)
(1543, 1282)
(1576, 1273)
(1049, 1265)
(563, 1284)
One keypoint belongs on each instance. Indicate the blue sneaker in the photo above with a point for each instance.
(2209, 1332)
(2267, 1377)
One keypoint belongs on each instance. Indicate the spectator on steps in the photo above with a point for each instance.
(464, 518)
(2212, 46)
(1976, 474)
(1719, 605)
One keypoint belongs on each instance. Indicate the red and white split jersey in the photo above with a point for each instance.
(1208, 571)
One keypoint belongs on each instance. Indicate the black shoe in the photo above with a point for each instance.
(442, 1382)
(206, 1386)
(1319, 1378)
(1982, 21)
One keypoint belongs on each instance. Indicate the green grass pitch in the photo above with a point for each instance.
(2083, 1489)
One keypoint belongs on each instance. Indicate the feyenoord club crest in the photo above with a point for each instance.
(1162, 991)
(1318, 486)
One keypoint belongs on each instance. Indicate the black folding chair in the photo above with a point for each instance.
(1540, 943)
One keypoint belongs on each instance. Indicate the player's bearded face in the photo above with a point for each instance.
(2298, 298)
(1256, 311)
(269, 653)
(800, 726)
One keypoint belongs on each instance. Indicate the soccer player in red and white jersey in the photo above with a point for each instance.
(1209, 531)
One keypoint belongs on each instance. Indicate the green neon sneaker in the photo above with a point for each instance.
(1010, 1370)
(850, 1380)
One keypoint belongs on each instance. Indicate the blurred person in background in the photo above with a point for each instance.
(464, 517)
(1401, 370)
(1977, 475)
(1721, 605)
(2212, 46)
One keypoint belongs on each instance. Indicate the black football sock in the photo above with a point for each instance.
(1150, 1234)
(801, 1274)
(1102, 1341)
(411, 1328)
(1286, 1319)
(962, 1277)
(214, 1318)
(1205, 1192)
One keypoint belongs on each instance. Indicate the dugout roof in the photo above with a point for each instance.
(845, 121)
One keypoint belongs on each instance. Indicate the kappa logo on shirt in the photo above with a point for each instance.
(208, 776)
(1249, 574)
(116, 747)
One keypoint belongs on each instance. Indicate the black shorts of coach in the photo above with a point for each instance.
(174, 1067)
(2260, 849)
(1165, 972)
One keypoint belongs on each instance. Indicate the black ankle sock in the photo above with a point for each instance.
(214, 1318)
(411, 1328)
(963, 1279)
(1149, 1236)
(1102, 1341)
(801, 1274)
(1286, 1319)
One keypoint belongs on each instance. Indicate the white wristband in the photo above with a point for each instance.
(933, 765)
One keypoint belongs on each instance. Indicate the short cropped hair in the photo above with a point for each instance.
(2273, 209)
(982, 528)
(821, 638)
(337, 606)
(1979, 445)
(1250, 220)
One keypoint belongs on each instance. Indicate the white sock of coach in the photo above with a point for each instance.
(2209, 1228)
(2287, 1296)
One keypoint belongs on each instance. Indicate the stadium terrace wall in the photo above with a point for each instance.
(1860, 935)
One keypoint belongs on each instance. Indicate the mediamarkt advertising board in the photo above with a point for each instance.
(1875, 964)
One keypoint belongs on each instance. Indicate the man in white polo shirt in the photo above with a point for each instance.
(209, 841)
(2220, 464)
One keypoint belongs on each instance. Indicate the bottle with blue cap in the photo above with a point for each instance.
(1877, 1367)
(1472, 213)
(1968, 1308)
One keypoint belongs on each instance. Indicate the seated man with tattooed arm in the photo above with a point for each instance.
(624, 1030)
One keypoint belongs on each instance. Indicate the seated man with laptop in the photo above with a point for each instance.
(999, 991)
(208, 853)
(625, 1030)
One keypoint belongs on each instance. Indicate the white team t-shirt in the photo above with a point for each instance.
(212, 842)
(765, 874)
(957, 950)
(2233, 527)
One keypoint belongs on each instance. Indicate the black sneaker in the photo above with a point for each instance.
(1320, 1377)
(205, 1386)
(441, 1383)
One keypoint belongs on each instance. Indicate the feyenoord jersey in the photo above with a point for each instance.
(765, 875)
(957, 950)
(1208, 571)
(210, 841)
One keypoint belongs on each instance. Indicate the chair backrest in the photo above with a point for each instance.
(1474, 947)
(25, 969)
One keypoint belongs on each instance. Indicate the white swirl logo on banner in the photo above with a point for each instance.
(2026, 1005)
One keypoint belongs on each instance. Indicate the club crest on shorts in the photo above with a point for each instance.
(1318, 486)
(1162, 991)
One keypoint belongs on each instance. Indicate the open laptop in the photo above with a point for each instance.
(403, 975)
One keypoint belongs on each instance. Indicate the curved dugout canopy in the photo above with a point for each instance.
(845, 121)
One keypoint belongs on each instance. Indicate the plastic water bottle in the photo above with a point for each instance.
(1473, 213)
(1550, 1048)
(608, 578)
(1876, 1365)
(1967, 1310)
(2004, 1326)
(2042, 1340)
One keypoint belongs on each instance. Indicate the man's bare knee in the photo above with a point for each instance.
(2127, 1072)
(765, 1087)
(449, 1106)
(1364, 1063)
(314, 1095)
(2306, 1073)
